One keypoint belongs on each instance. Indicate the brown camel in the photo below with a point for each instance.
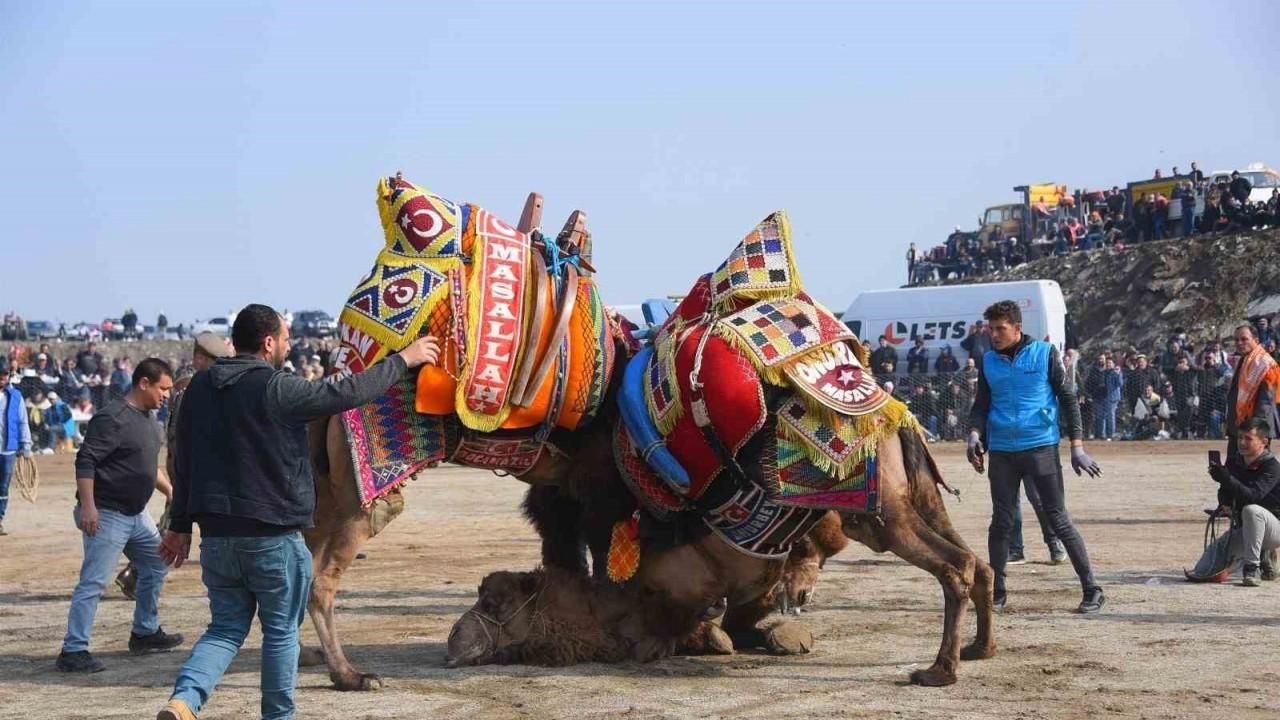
(550, 617)
(675, 587)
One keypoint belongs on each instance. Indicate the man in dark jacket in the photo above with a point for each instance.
(918, 358)
(244, 475)
(1250, 483)
(883, 356)
(1022, 390)
(1240, 187)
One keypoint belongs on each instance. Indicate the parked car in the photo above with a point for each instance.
(41, 330)
(217, 325)
(84, 331)
(313, 323)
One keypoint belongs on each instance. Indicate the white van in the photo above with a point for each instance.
(942, 315)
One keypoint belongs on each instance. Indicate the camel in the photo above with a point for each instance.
(572, 619)
(675, 588)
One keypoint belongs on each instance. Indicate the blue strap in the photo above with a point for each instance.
(635, 415)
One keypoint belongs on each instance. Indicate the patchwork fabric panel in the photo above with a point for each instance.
(834, 442)
(757, 525)
(418, 223)
(774, 331)
(797, 482)
(761, 266)
(390, 441)
(391, 297)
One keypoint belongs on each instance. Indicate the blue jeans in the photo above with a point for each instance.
(6, 474)
(136, 537)
(1188, 222)
(269, 575)
(1105, 422)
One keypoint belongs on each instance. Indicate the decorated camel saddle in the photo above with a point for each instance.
(748, 350)
(526, 345)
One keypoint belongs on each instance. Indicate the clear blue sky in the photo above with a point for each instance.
(193, 157)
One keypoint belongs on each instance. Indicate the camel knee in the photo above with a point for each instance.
(384, 510)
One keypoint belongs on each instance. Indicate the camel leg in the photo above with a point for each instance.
(558, 520)
(911, 539)
(928, 503)
(742, 622)
(981, 592)
(342, 527)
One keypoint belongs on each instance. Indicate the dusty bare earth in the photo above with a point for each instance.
(1162, 647)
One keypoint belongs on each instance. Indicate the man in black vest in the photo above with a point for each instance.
(244, 475)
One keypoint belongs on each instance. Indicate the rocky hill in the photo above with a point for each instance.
(1204, 285)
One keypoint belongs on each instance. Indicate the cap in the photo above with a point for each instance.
(212, 345)
(42, 356)
(52, 395)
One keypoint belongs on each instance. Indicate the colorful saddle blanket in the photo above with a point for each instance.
(745, 325)
(390, 441)
(460, 273)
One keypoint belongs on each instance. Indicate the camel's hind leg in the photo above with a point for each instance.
(342, 527)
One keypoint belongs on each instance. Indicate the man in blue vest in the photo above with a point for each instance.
(15, 435)
(1022, 388)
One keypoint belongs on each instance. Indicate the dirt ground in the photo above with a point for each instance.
(1162, 648)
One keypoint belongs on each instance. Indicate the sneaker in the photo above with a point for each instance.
(1057, 554)
(176, 709)
(999, 600)
(1251, 575)
(78, 662)
(1016, 559)
(1092, 602)
(2, 530)
(158, 641)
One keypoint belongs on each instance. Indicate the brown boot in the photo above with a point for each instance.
(176, 710)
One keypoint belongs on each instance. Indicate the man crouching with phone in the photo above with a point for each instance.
(1250, 485)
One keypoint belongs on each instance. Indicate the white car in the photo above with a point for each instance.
(217, 325)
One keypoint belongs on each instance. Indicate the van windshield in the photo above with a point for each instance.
(1262, 179)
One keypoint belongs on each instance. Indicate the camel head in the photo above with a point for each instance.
(799, 577)
(504, 616)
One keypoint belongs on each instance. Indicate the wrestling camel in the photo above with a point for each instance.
(529, 617)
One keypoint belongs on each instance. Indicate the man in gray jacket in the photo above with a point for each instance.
(243, 474)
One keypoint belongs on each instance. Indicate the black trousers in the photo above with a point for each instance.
(1039, 468)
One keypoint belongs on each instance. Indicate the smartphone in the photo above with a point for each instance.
(1215, 457)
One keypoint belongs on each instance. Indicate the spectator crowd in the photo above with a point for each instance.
(1105, 220)
(1177, 391)
(63, 385)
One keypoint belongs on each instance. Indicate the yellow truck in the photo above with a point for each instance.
(1018, 219)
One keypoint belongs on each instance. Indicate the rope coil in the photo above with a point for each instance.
(26, 475)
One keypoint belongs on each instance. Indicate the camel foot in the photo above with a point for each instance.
(708, 639)
(974, 651)
(933, 677)
(310, 657)
(356, 682)
(789, 638)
